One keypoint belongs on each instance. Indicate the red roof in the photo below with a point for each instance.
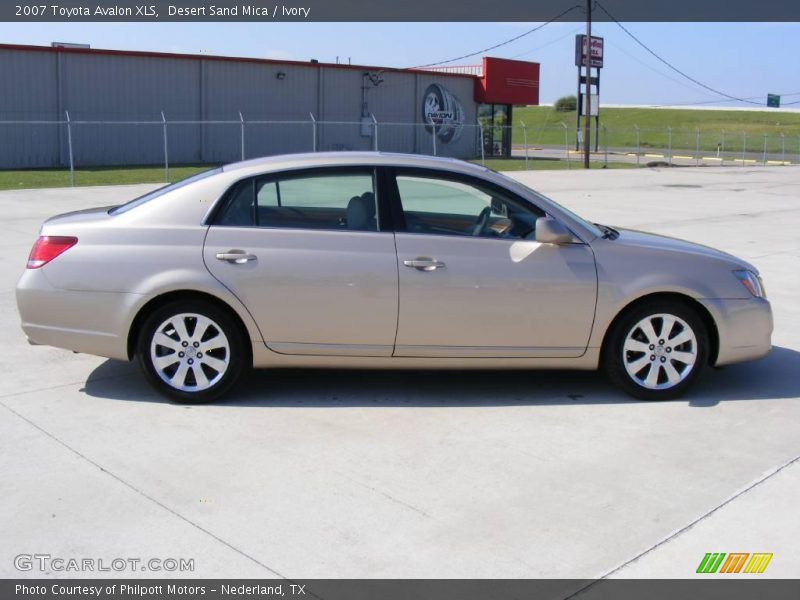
(175, 55)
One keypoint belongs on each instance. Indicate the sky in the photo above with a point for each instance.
(741, 59)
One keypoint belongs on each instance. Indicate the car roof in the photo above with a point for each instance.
(320, 159)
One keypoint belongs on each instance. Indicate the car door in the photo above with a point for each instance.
(473, 280)
(305, 253)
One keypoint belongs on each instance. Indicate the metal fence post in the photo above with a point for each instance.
(638, 144)
(433, 135)
(765, 150)
(313, 132)
(241, 131)
(605, 143)
(669, 144)
(69, 148)
(483, 150)
(744, 145)
(783, 149)
(697, 147)
(566, 142)
(374, 131)
(525, 141)
(722, 149)
(166, 147)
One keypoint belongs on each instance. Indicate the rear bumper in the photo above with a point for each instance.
(744, 328)
(82, 321)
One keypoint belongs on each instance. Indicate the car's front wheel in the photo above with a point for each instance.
(657, 350)
(191, 351)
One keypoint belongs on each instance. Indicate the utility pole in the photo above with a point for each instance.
(587, 86)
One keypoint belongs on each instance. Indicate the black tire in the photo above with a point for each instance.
(615, 355)
(235, 354)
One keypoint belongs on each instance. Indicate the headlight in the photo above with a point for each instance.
(752, 282)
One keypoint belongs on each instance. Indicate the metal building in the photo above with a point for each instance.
(218, 109)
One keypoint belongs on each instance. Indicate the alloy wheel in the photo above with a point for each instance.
(660, 351)
(190, 352)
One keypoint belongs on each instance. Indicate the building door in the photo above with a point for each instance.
(496, 122)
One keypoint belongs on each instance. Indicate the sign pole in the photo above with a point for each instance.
(578, 109)
(597, 111)
(587, 129)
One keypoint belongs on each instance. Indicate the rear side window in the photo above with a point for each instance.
(334, 201)
(239, 211)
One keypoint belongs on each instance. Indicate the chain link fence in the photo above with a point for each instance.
(76, 144)
(671, 146)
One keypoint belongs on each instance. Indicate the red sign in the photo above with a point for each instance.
(596, 56)
(507, 81)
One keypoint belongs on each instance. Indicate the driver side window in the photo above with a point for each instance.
(438, 206)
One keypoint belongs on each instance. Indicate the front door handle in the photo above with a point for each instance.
(424, 264)
(236, 257)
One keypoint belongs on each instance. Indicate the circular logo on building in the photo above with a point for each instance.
(442, 110)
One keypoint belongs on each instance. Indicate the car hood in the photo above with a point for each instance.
(642, 239)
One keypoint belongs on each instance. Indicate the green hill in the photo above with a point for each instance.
(544, 127)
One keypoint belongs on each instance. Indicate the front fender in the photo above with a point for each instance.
(626, 274)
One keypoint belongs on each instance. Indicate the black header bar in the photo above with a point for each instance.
(396, 10)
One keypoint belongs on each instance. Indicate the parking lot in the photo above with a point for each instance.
(420, 474)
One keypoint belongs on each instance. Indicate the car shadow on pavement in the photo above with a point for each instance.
(770, 378)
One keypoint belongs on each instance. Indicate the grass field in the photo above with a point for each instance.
(544, 128)
(45, 178)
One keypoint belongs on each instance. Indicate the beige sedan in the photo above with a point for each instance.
(368, 260)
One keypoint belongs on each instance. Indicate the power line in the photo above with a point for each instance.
(718, 100)
(687, 86)
(655, 70)
(681, 83)
(670, 65)
(550, 43)
(506, 42)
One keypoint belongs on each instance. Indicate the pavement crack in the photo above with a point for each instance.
(687, 527)
(384, 494)
(142, 493)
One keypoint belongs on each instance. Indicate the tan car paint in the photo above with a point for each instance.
(87, 299)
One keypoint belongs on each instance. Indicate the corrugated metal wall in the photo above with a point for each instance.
(29, 91)
(41, 85)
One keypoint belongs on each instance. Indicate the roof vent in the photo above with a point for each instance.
(68, 45)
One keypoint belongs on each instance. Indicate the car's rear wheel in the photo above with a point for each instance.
(657, 350)
(191, 351)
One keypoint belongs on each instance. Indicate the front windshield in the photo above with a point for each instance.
(596, 231)
(162, 190)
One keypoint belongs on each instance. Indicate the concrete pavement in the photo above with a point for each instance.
(661, 157)
(409, 474)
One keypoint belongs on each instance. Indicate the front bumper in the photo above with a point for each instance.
(82, 321)
(744, 327)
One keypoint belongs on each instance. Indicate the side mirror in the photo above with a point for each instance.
(550, 231)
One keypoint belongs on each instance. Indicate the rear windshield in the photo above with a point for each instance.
(162, 190)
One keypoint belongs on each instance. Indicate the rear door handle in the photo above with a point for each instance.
(424, 264)
(236, 257)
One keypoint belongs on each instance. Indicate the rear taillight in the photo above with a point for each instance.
(47, 247)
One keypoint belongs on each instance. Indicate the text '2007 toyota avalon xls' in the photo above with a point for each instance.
(371, 260)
